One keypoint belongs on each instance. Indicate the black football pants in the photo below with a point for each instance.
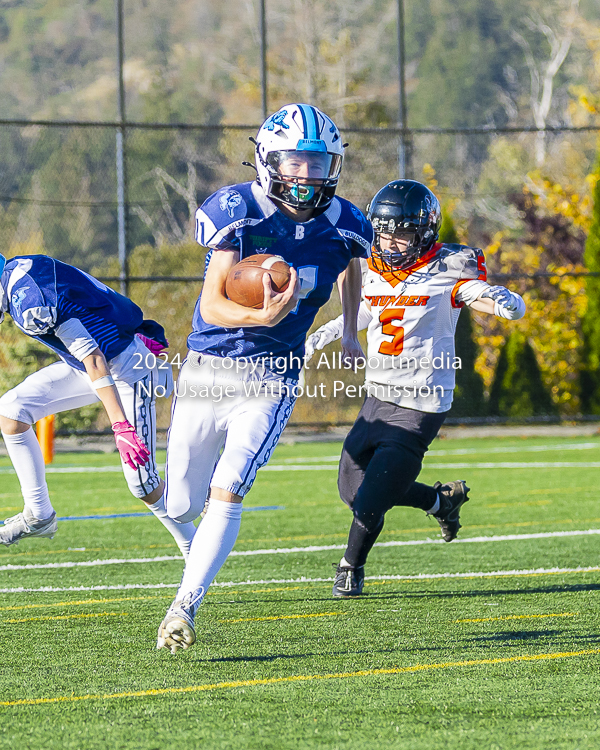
(381, 459)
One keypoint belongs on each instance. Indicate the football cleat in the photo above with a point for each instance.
(24, 525)
(176, 631)
(452, 495)
(348, 581)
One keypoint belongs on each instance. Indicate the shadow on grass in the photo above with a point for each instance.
(275, 657)
(516, 635)
(500, 592)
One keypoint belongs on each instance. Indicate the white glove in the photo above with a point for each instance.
(507, 304)
(333, 330)
(502, 296)
(321, 337)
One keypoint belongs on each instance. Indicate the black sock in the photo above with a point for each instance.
(360, 543)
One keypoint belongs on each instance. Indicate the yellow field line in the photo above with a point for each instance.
(69, 617)
(88, 549)
(519, 617)
(227, 591)
(298, 678)
(139, 598)
(285, 617)
(86, 601)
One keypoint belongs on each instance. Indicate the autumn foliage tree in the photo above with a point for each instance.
(590, 372)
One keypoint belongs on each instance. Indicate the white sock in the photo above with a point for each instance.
(434, 508)
(26, 456)
(182, 533)
(344, 563)
(213, 541)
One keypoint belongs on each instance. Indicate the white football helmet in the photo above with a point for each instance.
(299, 156)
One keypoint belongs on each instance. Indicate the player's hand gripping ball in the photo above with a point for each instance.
(244, 283)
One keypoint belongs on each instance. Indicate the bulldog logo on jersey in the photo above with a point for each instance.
(229, 201)
(358, 214)
(18, 298)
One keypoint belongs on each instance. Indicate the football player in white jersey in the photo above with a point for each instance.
(412, 295)
(236, 389)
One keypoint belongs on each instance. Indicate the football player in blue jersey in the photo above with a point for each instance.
(236, 389)
(108, 353)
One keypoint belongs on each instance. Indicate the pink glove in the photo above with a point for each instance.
(155, 346)
(132, 450)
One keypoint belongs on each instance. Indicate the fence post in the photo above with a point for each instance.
(122, 207)
(404, 147)
(263, 58)
(45, 435)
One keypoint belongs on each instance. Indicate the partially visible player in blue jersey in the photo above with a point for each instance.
(104, 345)
(221, 433)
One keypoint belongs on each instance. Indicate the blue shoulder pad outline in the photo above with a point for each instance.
(32, 308)
(354, 227)
(223, 212)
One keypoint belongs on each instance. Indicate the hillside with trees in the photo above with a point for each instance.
(525, 198)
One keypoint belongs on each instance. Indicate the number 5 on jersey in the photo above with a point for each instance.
(388, 328)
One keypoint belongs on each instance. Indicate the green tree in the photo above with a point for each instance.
(518, 389)
(590, 324)
(469, 397)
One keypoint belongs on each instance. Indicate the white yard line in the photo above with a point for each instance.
(288, 464)
(465, 465)
(266, 581)
(467, 451)
(302, 550)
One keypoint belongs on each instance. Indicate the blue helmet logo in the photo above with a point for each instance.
(277, 119)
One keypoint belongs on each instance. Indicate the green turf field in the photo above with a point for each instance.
(492, 641)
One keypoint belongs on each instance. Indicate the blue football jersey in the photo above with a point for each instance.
(240, 217)
(42, 293)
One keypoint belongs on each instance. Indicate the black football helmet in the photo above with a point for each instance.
(409, 210)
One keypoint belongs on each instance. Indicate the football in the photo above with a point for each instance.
(244, 282)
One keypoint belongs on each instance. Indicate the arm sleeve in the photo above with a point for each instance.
(76, 338)
(332, 331)
(364, 316)
(36, 320)
(468, 291)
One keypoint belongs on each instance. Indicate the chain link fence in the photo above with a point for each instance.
(58, 196)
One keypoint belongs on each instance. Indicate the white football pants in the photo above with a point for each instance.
(226, 421)
(60, 387)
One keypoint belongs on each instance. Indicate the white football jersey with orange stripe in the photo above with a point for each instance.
(411, 359)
